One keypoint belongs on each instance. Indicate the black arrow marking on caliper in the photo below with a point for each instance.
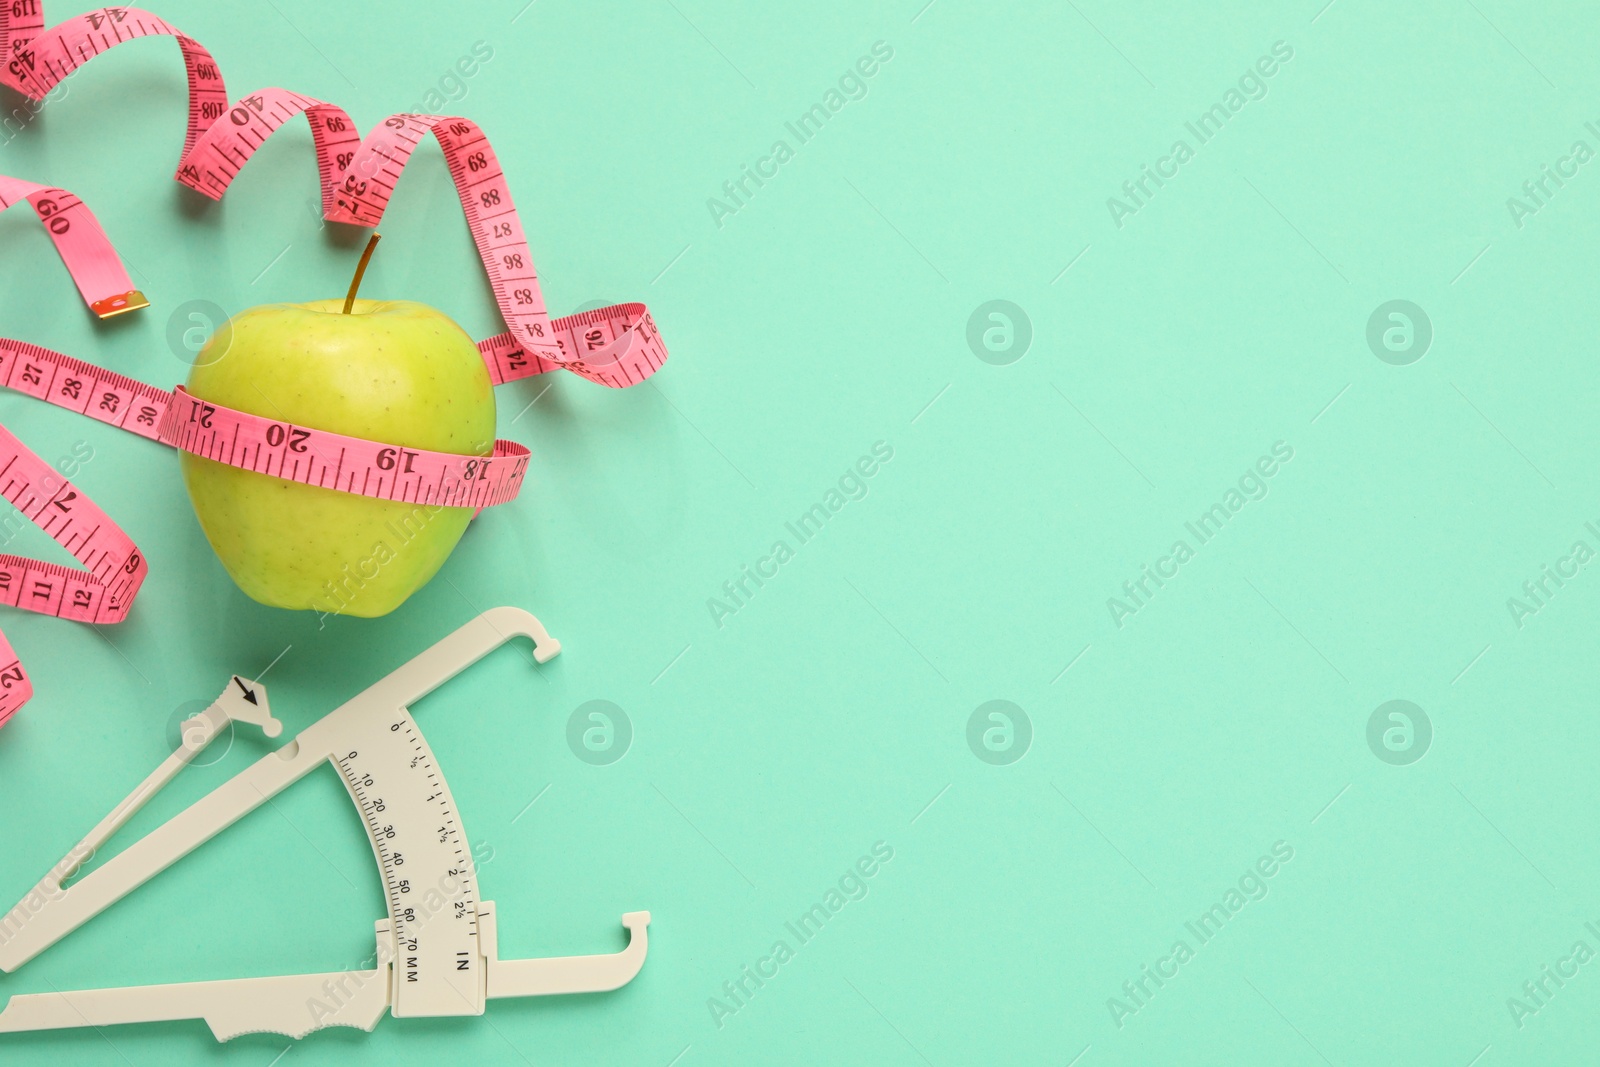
(249, 694)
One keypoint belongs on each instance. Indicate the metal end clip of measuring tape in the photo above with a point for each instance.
(437, 952)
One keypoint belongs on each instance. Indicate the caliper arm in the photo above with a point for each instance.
(293, 1005)
(50, 912)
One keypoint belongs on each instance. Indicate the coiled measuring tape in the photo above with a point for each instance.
(615, 346)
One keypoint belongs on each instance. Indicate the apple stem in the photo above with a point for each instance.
(361, 269)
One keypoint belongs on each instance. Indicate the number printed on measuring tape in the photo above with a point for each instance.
(334, 461)
(101, 593)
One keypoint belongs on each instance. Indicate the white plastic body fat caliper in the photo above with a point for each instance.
(436, 951)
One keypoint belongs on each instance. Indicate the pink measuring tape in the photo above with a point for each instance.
(616, 346)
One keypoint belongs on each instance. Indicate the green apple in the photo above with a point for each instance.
(390, 371)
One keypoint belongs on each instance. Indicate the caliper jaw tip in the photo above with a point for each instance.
(566, 974)
(545, 649)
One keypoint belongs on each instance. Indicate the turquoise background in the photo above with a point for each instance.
(1164, 757)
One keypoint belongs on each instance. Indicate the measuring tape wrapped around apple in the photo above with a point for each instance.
(279, 437)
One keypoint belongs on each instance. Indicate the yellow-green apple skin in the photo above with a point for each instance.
(391, 371)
